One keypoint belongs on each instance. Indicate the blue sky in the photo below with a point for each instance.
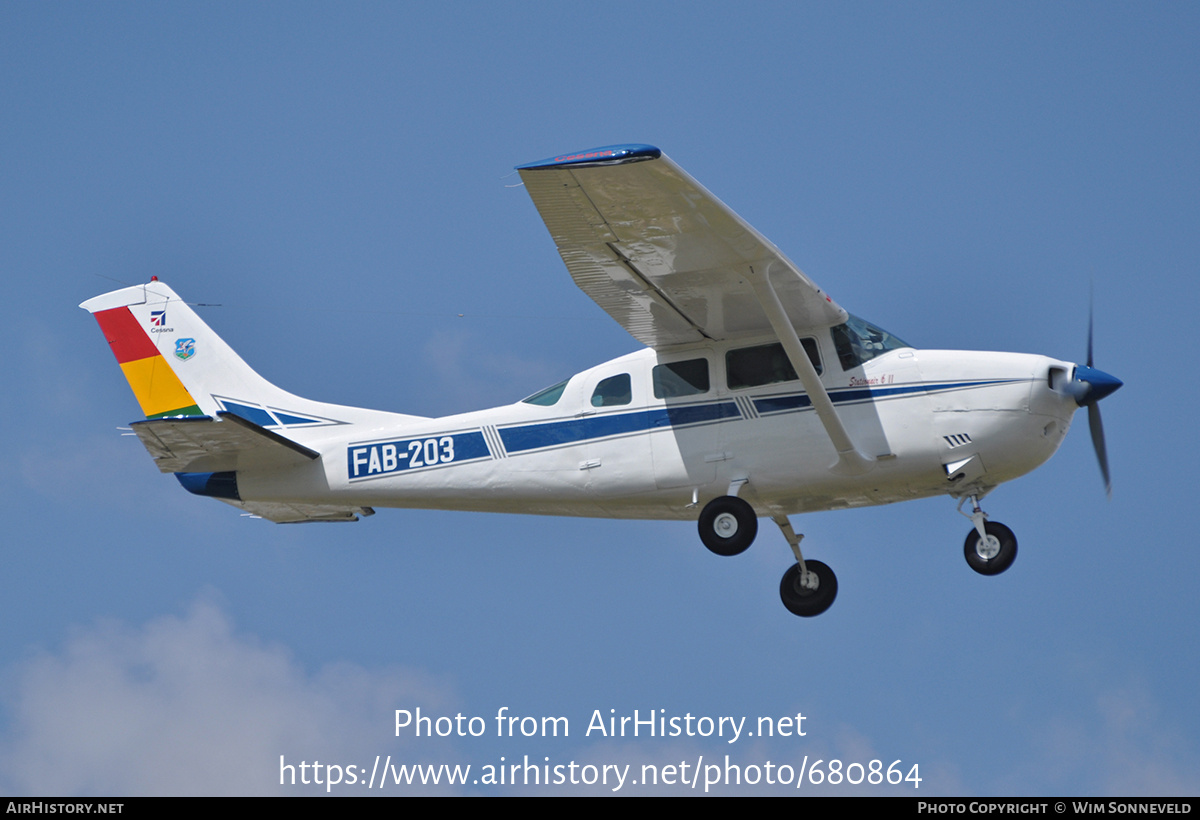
(335, 180)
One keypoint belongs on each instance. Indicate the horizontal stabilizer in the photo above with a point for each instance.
(205, 445)
(290, 513)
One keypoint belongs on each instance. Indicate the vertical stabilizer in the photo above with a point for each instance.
(147, 326)
(178, 367)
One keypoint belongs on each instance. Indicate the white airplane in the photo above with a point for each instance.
(757, 395)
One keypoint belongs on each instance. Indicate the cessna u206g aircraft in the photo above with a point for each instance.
(757, 395)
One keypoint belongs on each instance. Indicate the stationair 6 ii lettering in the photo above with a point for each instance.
(757, 395)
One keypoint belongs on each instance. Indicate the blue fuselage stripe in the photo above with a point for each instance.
(801, 401)
(436, 450)
(572, 431)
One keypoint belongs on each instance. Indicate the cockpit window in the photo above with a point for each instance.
(859, 341)
(765, 364)
(613, 391)
(548, 397)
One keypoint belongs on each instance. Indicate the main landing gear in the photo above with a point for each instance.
(990, 547)
(728, 526)
(808, 587)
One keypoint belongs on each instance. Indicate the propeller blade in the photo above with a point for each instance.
(1096, 426)
(1088, 388)
(1091, 312)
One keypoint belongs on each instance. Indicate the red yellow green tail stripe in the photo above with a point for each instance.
(157, 388)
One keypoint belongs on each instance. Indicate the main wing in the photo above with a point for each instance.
(663, 256)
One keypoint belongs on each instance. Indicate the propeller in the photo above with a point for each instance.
(1087, 388)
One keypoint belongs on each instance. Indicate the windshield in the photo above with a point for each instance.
(859, 341)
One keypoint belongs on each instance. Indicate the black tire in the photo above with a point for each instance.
(805, 602)
(728, 525)
(993, 558)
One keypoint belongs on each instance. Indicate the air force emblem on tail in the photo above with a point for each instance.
(185, 349)
(385, 457)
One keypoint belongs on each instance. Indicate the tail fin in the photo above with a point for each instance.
(178, 367)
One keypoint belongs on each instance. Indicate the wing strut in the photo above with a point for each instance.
(851, 460)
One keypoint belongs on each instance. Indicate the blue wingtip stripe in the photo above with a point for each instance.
(607, 154)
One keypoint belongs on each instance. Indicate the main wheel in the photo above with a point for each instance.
(809, 596)
(994, 554)
(728, 525)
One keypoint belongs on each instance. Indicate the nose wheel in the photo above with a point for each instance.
(990, 547)
(993, 552)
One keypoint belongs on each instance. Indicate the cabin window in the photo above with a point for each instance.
(689, 378)
(548, 397)
(765, 364)
(859, 341)
(613, 391)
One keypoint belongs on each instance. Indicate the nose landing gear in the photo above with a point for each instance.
(990, 547)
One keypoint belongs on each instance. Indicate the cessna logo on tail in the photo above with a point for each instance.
(158, 322)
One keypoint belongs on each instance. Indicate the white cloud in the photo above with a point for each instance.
(190, 706)
(185, 706)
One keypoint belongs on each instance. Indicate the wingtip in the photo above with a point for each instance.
(605, 155)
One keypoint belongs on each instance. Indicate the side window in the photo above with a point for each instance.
(765, 364)
(548, 397)
(613, 391)
(688, 378)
